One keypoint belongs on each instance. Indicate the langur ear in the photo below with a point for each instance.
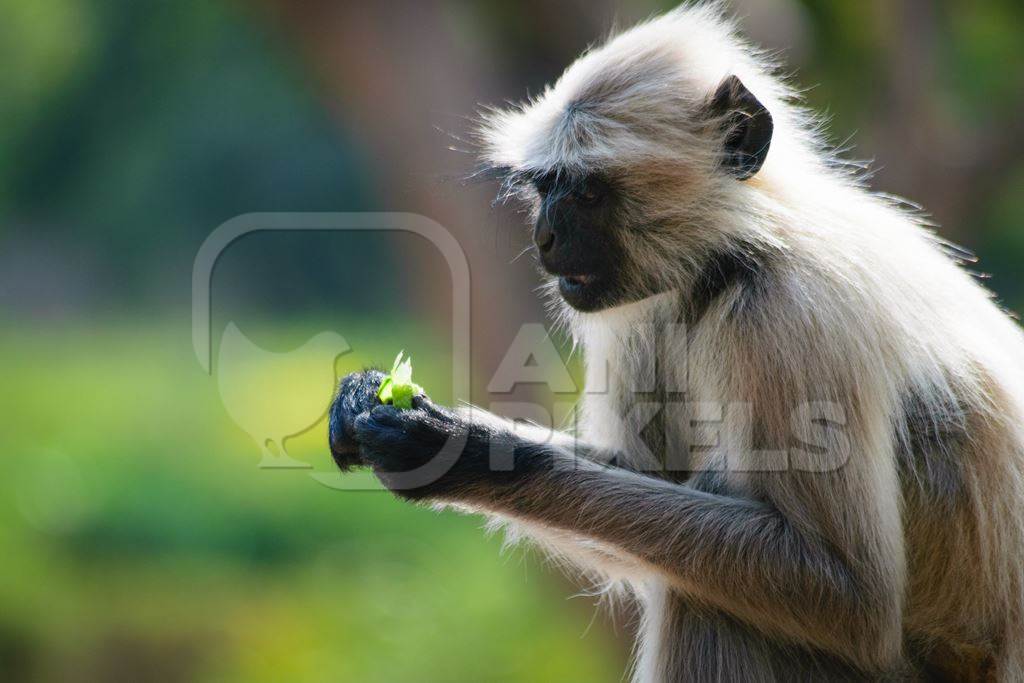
(747, 126)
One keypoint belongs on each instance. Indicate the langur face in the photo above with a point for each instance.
(620, 229)
(577, 237)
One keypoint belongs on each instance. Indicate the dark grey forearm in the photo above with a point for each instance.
(731, 552)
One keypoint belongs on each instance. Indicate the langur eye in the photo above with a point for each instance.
(590, 193)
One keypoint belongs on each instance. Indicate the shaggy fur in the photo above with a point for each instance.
(860, 515)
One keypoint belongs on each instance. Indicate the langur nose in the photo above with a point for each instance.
(543, 236)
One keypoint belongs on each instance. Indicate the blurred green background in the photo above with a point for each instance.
(140, 539)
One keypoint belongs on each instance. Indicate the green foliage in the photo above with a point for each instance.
(129, 131)
(984, 56)
(137, 531)
(398, 387)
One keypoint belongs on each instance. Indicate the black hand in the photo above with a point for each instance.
(357, 394)
(431, 452)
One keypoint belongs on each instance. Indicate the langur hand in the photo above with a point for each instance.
(431, 452)
(357, 394)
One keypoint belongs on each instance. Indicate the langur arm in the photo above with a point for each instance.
(737, 554)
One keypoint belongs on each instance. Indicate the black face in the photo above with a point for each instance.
(581, 221)
(576, 238)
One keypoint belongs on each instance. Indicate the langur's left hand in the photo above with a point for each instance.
(428, 452)
(357, 394)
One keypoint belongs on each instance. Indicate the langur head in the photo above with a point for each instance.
(635, 160)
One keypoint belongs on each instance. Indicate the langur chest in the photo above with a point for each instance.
(642, 403)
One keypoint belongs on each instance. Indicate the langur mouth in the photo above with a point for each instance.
(583, 292)
(576, 281)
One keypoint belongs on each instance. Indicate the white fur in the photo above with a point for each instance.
(869, 303)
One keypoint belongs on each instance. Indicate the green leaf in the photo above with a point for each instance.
(398, 388)
(384, 393)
